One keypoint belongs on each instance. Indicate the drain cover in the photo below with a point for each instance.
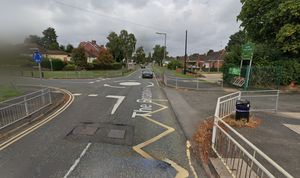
(85, 130)
(119, 134)
(113, 133)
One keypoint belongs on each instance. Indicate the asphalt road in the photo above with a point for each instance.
(100, 135)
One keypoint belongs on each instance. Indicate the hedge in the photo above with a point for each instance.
(57, 64)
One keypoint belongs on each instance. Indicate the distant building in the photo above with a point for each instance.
(57, 54)
(207, 62)
(91, 50)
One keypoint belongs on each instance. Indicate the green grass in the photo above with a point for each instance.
(77, 74)
(159, 69)
(7, 92)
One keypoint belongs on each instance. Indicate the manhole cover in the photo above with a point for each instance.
(119, 134)
(85, 130)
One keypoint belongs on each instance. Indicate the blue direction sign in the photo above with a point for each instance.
(37, 57)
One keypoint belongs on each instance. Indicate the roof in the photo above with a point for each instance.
(91, 48)
(56, 52)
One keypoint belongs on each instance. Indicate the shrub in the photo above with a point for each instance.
(290, 71)
(70, 67)
(174, 64)
(113, 66)
(57, 64)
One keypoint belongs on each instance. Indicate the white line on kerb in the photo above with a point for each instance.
(119, 101)
(77, 160)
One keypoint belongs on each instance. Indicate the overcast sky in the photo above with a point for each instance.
(209, 22)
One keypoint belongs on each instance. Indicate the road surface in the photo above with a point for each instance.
(120, 127)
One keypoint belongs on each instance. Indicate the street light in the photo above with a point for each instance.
(165, 34)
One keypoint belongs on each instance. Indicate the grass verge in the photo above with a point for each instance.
(7, 92)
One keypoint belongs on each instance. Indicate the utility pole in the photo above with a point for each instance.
(165, 43)
(185, 53)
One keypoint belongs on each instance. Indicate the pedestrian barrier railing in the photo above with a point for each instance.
(240, 156)
(192, 83)
(21, 107)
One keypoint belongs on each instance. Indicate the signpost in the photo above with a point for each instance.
(247, 54)
(37, 57)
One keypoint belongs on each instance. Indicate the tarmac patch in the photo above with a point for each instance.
(95, 132)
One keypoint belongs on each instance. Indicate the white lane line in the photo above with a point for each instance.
(91, 82)
(77, 160)
(295, 128)
(77, 94)
(188, 154)
(118, 81)
(119, 101)
(106, 85)
(93, 95)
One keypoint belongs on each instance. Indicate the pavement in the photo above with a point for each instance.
(115, 127)
(278, 136)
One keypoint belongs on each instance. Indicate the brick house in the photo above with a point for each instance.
(91, 50)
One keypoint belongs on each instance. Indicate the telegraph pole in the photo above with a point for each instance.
(185, 53)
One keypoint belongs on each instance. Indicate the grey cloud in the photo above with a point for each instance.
(209, 22)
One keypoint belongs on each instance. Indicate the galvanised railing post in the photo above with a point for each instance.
(176, 82)
(26, 106)
(50, 96)
(197, 84)
(277, 99)
(216, 118)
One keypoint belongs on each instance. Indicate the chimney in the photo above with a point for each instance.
(94, 42)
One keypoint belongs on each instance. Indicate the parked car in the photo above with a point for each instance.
(147, 74)
(143, 66)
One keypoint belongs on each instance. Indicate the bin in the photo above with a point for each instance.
(242, 109)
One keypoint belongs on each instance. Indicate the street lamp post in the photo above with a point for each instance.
(165, 46)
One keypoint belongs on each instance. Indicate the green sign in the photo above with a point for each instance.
(247, 50)
(234, 71)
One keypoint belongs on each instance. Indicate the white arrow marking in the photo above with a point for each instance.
(106, 85)
(119, 101)
(150, 84)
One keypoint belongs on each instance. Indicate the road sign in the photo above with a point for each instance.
(247, 50)
(37, 57)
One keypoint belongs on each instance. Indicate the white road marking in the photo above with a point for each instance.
(295, 128)
(93, 95)
(77, 160)
(77, 94)
(130, 83)
(118, 81)
(106, 85)
(91, 82)
(119, 101)
(150, 84)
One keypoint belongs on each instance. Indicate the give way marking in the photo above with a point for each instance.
(119, 101)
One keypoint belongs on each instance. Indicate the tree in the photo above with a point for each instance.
(69, 48)
(62, 47)
(79, 57)
(140, 55)
(236, 39)
(158, 54)
(104, 57)
(121, 46)
(149, 57)
(273, 22)
(50, 39)
(33, 39)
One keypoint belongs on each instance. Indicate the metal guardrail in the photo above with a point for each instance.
(240, 156)
(21, 107)
(191, 83)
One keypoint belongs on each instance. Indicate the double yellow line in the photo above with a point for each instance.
(39, 124)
